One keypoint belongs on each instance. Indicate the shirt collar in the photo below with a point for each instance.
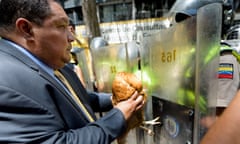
(41, 64)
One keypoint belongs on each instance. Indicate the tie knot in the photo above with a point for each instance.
(59, 75)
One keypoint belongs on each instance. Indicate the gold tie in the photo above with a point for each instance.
(69, 87)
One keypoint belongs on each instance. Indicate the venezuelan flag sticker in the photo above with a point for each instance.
(225, 71)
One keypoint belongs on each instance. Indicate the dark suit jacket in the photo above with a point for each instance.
(35, 109)
(98, 102)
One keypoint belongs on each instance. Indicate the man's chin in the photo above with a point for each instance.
(67, 60)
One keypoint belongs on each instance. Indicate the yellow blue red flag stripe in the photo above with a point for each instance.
(225, 71)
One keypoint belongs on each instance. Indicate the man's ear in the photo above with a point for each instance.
(24, 27)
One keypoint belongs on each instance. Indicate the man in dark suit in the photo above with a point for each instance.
(34, 105)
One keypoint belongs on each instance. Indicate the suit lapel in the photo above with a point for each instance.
(79, 89)
(64, 93)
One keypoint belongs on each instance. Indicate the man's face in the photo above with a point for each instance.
(53, 39)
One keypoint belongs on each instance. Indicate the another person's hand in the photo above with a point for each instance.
(131, 105)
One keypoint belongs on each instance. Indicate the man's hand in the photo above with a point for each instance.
(131, 105)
